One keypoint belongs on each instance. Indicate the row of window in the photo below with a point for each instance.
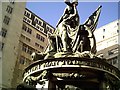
(27, 29)
(24, 60)
(28, 39)
(41, 38)
(3, 32)
(27, 20)
(27, 49)
(6, 20)
(38, 45)
(110, 52)
(36, 20)
(28, 14)
(113, 61)
(1, 46)
(25, 38)
(113, 51)
(9, 9)
(49, 29)
(33, 23)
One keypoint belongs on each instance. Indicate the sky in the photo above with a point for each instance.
(52, 11)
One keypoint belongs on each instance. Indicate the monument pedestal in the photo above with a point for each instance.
(73, 73)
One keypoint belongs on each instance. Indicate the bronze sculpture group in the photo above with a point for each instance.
(71, 39)
(68, 63)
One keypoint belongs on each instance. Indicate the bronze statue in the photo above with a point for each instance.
(71, 37)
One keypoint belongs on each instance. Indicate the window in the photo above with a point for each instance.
(36, 44)
(114, 60)
(117, 31)
(41, 47)
(22, 60)
(113, 51)
(40, 37)
(50, 30)
(28, 21)
(22, 36)
(9, 9)
(30, 50)
(29, 31)
(24, 47)
(103, 37)
(103, 30)
(37, 36)
(36, 20)
(28, 14)
(6, 20)
(1, 46)
(24, 27)
(24, 18)
(40, 23)
(27, 39)
(41, 29)
(3, 32)
(27, 49)
(118, 24)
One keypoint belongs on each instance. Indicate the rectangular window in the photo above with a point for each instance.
(40, 23)
(113, 51)
(9, 9)
(24, 27)
(6, 20)
(36, 44)
(40, 37)
(24, 48)
(3, 32)
(41, 47)
(27, 49)
(30, 50)
(37, 36)
(24, 18)
(22, 60)
(114, 60)
(22, 36)
(27, 39)
(29, 31)
(1, 46)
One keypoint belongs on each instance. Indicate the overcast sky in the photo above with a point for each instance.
(52, 11)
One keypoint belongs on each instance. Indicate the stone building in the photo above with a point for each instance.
(108, 43)
(12, 15)
(22, 32)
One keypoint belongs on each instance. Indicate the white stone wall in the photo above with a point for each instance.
(107, 35)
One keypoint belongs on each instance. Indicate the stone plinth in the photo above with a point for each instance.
(75, 73)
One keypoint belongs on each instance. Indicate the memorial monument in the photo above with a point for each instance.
(69, 62)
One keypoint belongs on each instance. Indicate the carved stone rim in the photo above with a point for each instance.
(59, 63)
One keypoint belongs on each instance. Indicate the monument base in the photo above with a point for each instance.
(72, 73)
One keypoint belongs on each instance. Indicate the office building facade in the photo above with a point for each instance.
(108, 43)
(33, 39)
(22, 33)
(12, 15)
